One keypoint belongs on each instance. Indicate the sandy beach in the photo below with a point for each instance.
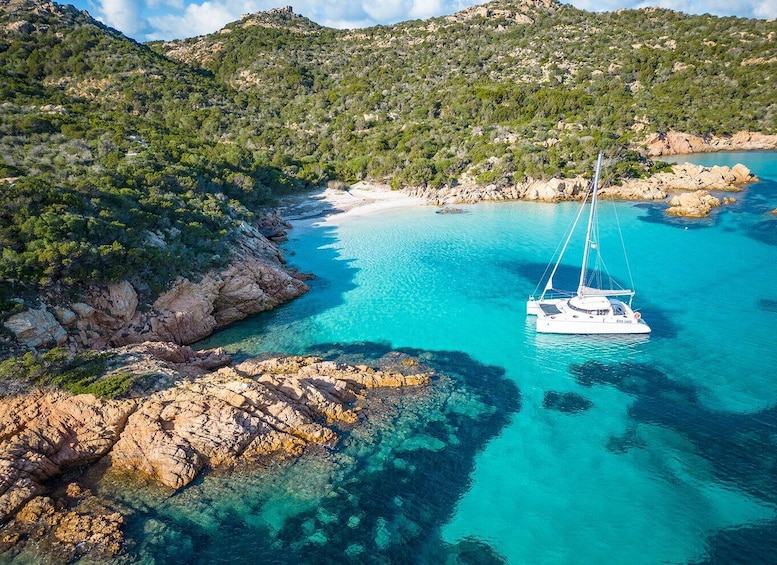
(332, 206)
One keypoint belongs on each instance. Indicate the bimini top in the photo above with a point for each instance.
(590, 304)
(589, 291)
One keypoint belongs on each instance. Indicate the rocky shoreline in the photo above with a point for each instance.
(689, 184)
(680, 143)
(257, 279)
(216, 415)
(683, 178)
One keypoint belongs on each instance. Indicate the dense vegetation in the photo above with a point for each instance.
(506, 91)
(134, 161)
(83, 373)
(122, 162)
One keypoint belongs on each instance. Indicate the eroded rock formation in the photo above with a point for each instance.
(679, 143)
(246, 412)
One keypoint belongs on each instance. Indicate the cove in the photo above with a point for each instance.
(618, 450)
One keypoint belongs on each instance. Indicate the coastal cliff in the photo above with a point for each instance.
(256, 280)
(216, 415)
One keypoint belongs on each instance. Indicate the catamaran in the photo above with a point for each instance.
(591, 309)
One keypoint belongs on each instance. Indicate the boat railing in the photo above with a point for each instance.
(553, 295)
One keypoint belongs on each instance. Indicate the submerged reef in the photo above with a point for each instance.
(299, 459)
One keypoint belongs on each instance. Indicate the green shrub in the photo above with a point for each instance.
(83, 373)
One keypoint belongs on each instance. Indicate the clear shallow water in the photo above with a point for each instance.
(664, 452)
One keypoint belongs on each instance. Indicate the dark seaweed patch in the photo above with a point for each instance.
(739, 447)
(472, 551)
(768, 305)
(567, 402)
(764, 231)
(633, 378)
(755, 545)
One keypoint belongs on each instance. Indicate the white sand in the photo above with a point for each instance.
(332, 206)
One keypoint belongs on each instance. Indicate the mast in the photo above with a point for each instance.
(584, 267)
(549, 285)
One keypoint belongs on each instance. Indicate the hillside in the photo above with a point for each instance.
(136, 161)
(508, 89)
(120, 162)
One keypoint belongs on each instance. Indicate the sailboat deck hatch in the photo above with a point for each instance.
(550, 309)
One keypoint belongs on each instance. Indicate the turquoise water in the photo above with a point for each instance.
(537, 449)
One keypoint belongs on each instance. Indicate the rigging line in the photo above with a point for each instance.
(557, 258)
(552, 259)
(623, 247)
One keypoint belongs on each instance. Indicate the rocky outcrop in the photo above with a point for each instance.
(248, 412)
(553, 190)
(110, 316)
(683, 177)
(43, 433)
(696, 204)
(679, 143)
(252, 411)
(67, 526)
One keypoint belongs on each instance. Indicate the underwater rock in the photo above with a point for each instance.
(568, 402)
(67, 526)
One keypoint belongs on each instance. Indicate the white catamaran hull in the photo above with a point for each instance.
(558, 316)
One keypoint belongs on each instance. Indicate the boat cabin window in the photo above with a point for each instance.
(583, 310)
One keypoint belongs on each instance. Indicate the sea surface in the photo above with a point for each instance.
(531, 448)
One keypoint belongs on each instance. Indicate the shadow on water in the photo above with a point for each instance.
(740, 448)
(395, 484)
